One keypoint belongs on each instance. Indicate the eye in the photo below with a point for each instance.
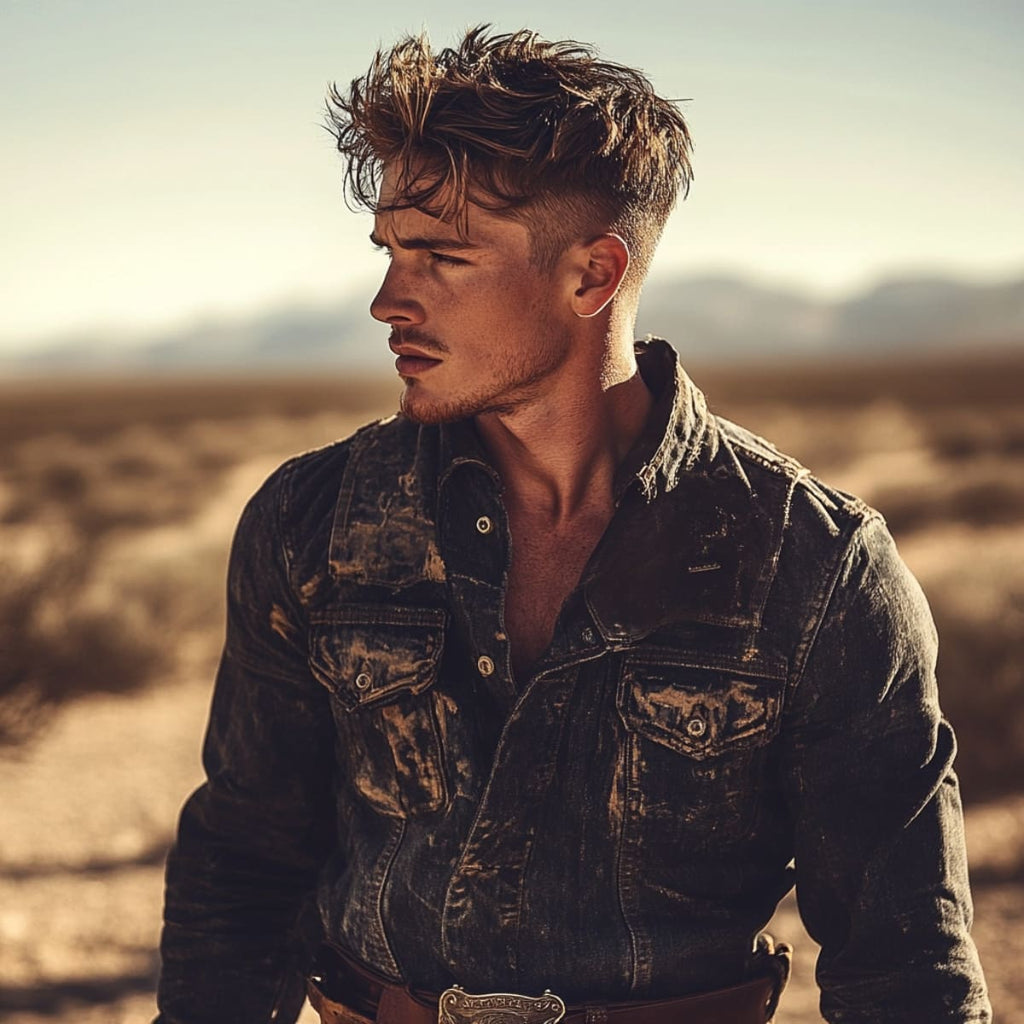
(384, 249)
(445, 260)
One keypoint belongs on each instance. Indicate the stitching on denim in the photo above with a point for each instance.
(625, 854)
(382, 889)
(380, 614)
(343, 505)
(804, 649)
(619, 885)
(707, 661)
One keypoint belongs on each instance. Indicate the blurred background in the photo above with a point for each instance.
(185, 304)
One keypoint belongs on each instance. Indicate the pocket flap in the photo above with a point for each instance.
(366, 654)
(699, 712)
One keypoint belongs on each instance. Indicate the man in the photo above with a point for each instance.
(554, 684)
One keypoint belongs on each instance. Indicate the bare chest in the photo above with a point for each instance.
(545, 568)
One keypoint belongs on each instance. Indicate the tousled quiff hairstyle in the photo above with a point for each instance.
(542, 131)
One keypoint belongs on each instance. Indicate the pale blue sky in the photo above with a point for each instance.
(163, 161)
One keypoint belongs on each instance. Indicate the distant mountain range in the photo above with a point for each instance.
(727, 318)
(716, 318)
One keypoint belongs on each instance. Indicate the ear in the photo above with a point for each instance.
(603, 262)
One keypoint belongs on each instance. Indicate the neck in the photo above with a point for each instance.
(557, 455)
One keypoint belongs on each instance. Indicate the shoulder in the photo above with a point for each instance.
(303, 506)
(837, 562)
(311, 479)
(311, 470)
(813, 507)
(834, 546)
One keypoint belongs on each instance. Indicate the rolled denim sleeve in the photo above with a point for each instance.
(880, 859)
(253, 837)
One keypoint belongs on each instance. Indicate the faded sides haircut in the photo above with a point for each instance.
(543, 132)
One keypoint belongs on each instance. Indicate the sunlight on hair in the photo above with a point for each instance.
(547, 131)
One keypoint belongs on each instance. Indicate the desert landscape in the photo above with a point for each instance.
(117, 503)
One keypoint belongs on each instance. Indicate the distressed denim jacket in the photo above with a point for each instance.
(738, 696)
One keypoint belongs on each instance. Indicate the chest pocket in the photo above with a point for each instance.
(380, 664)
(699, 739)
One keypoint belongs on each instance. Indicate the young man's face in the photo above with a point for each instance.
(476, 326)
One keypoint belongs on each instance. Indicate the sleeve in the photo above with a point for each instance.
(252, 838)
(879, 845)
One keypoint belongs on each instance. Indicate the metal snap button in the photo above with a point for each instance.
(587, 635)
(363, 681)
(696, 727)
(484, 665)
(484, 524)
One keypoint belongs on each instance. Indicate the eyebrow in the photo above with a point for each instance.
(424, 242)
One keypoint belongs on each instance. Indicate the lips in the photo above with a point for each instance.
(414, 365)
(412, 360)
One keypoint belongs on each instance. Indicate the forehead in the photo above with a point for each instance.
(475, 224)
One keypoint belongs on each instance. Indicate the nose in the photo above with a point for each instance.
(394, 303)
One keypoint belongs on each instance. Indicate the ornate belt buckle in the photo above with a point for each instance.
(458, 1007)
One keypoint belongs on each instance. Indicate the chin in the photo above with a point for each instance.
(425, 408)
(421, 409)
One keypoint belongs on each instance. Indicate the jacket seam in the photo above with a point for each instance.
(620, 870)
(282, 507)
(803, 656)
(382, 889)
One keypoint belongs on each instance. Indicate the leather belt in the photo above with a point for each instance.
(344, 992)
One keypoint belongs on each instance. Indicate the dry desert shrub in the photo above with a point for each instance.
(111, 565)
(59, 644)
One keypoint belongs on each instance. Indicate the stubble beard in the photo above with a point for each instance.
(516, 386)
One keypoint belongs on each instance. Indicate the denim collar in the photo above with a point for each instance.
(679, 433)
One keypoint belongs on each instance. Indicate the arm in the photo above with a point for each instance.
(252, 839)
(880, 859)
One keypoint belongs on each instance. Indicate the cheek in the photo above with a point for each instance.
(527, 296)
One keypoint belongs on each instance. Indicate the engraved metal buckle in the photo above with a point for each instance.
(458, 1007)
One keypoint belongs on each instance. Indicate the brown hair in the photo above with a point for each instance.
(570, 144)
